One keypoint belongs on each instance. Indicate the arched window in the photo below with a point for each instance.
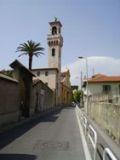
(38, 73)
(53, 52)
(51, 43)
(54, 30)
(46, 73)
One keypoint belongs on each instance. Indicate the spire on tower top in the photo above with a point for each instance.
(55, 19)
(55, 22)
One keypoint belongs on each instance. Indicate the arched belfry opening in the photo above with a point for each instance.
(54, 30)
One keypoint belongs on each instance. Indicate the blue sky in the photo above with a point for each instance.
(90, 28)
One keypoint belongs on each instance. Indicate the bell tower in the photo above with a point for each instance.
(55, 43)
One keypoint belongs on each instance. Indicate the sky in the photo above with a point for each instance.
(91, 28)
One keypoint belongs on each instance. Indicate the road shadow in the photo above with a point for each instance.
(17, 157)
(10, 135)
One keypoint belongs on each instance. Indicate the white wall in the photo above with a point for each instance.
(96, 88)
(54, 61)
(51, 79)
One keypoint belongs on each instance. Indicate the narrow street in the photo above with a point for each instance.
(54, 137)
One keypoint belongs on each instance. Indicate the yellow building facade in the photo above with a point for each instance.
(66, 91)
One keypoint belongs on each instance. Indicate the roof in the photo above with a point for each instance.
(42, 69)
(55, 22)
(63, 74)
(17, 64)
(101, 78)
(63, 79)
(2, 76)
(37, 80)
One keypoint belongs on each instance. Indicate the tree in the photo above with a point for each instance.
(77, 95)
(31, 49)
(8, 73)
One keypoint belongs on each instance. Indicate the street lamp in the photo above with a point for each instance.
(86, 82)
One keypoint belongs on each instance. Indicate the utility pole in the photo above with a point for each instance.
(86, 60)
(81, 83)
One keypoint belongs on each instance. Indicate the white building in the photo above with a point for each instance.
(101, 88)
(103, 84)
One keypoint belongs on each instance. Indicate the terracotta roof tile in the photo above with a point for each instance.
(64, 73)
(100, 78)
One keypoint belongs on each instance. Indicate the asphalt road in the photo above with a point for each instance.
(54, 137)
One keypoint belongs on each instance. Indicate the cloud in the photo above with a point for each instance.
(96, 64)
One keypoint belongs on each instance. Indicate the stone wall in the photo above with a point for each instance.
(107, 115)
(42, 98)
(9, 100)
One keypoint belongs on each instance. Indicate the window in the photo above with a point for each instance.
(54, 30)
(106, 88)
(53, 52)
(46, 73)
(38, 73)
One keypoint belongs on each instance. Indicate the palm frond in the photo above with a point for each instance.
(37, 54)
(30, 48)
(22, 54)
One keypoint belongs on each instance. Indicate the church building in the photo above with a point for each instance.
(51, 75)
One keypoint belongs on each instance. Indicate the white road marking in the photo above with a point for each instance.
(84, 143)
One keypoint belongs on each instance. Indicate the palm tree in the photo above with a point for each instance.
(31, 49)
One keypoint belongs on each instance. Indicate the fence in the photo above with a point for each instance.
(107, 152)
(88, 128)
(84, 123)
(93, 139)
